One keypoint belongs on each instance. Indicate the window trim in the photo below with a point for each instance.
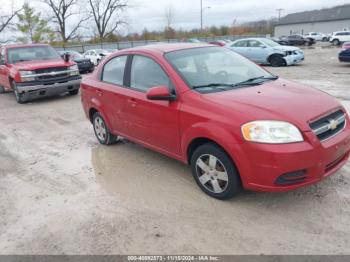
(172, 88)
(125, 68)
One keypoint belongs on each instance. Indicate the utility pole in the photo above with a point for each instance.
(202, 10)
(201, 15)
(279, 13)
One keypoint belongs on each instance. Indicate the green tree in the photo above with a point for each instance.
(32, 26)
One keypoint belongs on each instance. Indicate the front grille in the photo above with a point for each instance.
(52, 73)
(329, 125)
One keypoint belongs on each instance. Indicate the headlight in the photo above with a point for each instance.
(74, 70)
(26, 75)
(271, 132)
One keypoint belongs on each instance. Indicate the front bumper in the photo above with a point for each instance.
(37, 89)
(344, 59)
(86, 67)
(294, 59)
(261, 165)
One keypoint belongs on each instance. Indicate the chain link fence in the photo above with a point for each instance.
(129, 44)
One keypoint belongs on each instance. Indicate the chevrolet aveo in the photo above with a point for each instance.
(237, 125)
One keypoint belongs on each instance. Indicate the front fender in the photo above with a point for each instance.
(209, 130)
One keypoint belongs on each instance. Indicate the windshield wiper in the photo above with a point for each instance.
(213, 85)
(251, 81)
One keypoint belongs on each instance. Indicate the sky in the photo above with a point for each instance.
(151, 13)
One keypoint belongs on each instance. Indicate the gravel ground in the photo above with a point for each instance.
(62, 193)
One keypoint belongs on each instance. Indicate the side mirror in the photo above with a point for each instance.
(263, 46)
(66, 57)
(160, 93)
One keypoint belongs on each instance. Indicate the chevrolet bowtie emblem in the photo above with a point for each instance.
(333, 124)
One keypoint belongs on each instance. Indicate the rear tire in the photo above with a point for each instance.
(2, 90)
(276, 61)
(18, 96)
(336, 42)
(74, 92)
(103, 135)
(214, 172)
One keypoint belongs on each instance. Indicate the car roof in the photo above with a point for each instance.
(166, 48)
(251, 38)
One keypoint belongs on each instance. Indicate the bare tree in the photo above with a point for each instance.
(169, 16)
(6, 20)
(107, 15)
(62, 11)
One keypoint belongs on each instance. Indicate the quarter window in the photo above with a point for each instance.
(146, 73)
(113, 71)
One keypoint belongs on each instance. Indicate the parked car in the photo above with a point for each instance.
(36, 70)
(278, 40)
(84, 64)
(317, 36)
(235, 123)
(218, 43)
(338, 38)
(344, 55)
(297, 40)
(96, 55)
(266, 51)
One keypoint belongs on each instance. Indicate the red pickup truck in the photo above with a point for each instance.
(36, 70)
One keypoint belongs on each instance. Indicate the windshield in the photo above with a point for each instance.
(101, 51)
(21, 54)
(269, 42)
(207, 67)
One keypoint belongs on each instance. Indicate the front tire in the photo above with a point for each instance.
(103, 135)
(18, 96)
(215, 172)
(74, 92)
(276, 61)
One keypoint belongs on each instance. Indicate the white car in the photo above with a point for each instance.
(316, 36)
(96, 55)
(340, 37)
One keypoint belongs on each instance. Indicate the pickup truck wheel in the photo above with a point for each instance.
(102, 133)
(19, 97)
(215, 172)
(276, 61)
(74, 92)
(2, 90)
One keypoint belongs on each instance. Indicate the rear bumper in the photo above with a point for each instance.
(262, 165)
(30, 91)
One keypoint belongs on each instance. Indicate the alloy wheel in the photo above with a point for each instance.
(212, 173)
(100, 128)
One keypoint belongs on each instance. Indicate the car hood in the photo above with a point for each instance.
(278, 100)
(286, 48)
(41, 64)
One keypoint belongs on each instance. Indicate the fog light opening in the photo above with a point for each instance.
(292, 178)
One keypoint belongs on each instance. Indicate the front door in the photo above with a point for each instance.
(155, 123)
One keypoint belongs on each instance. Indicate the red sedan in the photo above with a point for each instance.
(236, 124)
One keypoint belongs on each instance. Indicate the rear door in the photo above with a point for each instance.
(154, 123)
(112, 93)
(241, 47)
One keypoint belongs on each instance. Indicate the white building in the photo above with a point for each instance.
(325, 21)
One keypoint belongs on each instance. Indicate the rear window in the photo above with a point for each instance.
(21, 54)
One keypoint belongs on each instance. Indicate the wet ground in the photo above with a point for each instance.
(63, 193)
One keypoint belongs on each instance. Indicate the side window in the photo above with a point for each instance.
(254, 43)
(146, 73)
(243, 43)
(2, 56)
(113, 70)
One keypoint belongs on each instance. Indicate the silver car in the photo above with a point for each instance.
(267, 52)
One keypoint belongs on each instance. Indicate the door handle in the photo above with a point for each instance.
(99, 92)
(132, 101)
